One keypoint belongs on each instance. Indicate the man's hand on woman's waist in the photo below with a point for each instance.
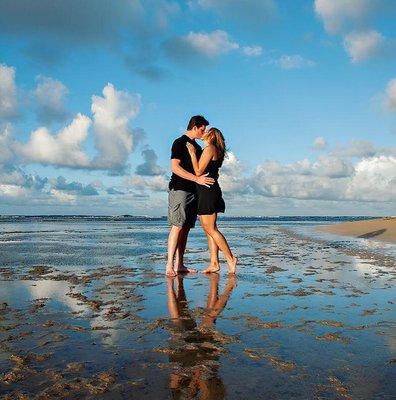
(205, 180)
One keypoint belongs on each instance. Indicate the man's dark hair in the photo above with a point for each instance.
(198, 121)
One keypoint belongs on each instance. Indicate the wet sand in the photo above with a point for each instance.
(303, 319)
(383, 229)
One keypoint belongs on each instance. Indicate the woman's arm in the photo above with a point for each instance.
(194, 160)
(177, 169)
(201, 164)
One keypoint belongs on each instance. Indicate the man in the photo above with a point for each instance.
(182, 210)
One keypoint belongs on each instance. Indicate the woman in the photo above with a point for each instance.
(210, 200)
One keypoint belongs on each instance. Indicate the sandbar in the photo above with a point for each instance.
(383, 229)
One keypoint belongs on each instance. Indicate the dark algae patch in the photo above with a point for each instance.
(334, 337)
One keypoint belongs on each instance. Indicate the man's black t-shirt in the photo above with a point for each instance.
(180, 152)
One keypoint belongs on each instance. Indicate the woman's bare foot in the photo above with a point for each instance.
(184, 270)
(232, 265)
(212, 268)
(170, 271)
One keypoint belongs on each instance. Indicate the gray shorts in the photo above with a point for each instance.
(182, 208)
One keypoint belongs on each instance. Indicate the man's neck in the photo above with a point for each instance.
(190, 134)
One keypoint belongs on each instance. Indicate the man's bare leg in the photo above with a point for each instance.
(181, 248)
(214, 265)
(173, 240)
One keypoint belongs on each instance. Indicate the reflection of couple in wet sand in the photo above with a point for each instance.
(195, 347)
(194, 190)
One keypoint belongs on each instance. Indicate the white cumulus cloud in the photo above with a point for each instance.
(50, 95)
(250, 13)
(390, 95)
(12, 191)
(330, 177)
(357, 148)
(63, 197)
(7, 152)
(351, 19)
(294, 62)
(374, 180)
(210, 44)
(113, 134)
(363, 45)
(319, 143)
(273, 179)
(63, 149)
(232, 177)
(149, 167)
(338, 15)
(252, 51)
(8, 92)
(90, 22)
(158, 183)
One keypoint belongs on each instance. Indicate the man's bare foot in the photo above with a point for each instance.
(212, 268)
(232, 265)
(184, 270)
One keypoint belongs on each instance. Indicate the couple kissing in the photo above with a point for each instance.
(194, 190)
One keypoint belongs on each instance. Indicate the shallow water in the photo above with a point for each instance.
(86, 312)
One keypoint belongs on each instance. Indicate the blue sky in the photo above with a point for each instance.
(303, 91)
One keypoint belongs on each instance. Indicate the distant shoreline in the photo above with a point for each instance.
(156, 217)
(381, 229)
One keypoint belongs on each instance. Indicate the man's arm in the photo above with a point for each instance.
(180, 171)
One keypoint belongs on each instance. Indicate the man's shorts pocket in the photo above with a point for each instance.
(181, 208)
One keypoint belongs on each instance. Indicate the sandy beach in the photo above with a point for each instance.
(383, 229)
(87, 313)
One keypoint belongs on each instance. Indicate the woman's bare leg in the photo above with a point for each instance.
(214, 264)
(217, 303)
(213, 291)
(208, 223)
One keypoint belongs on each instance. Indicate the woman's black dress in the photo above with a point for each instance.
(210, 199)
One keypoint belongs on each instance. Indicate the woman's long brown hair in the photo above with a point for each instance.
(215, 137)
